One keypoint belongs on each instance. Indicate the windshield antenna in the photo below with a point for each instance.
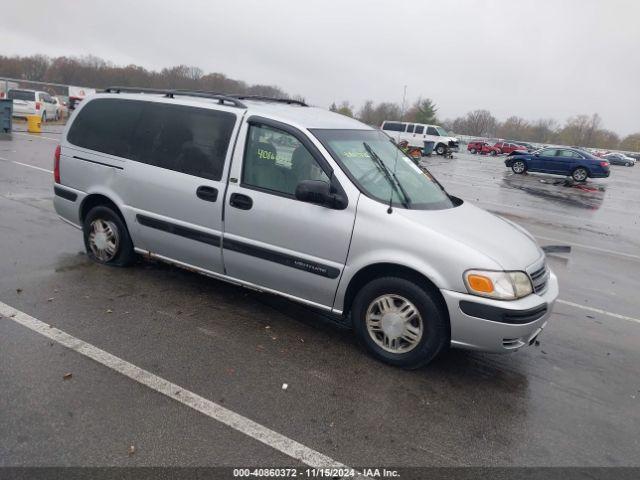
(395, 163)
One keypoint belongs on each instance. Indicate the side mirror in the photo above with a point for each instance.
(536, 154)
(319, 192)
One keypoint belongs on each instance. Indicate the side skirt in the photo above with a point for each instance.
(234, 281)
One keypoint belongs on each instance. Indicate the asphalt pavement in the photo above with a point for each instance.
(572, 400)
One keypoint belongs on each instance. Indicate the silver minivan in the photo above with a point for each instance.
(298, 201)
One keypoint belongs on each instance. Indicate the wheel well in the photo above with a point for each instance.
(379, 270)
(95, 200)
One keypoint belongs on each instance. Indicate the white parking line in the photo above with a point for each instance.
(32, 166)
(36, 136)
(26, 165)
(234, 420)
(597, 310)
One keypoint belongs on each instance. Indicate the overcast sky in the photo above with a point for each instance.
(532, 58)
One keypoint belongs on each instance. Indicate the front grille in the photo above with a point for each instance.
(453, 144)
(540, 278)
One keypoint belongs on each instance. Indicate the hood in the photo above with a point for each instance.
(504, 242)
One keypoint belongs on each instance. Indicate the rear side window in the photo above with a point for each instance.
(393, 126)
(410, 128)
(190, 140)
(184, 139)
(419, 129)
(549, 152)
(568, 154)
(21, 95)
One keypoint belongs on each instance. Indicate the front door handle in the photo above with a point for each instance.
(240, 201)
(208, 194)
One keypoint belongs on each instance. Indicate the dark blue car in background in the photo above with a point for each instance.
(573, 162)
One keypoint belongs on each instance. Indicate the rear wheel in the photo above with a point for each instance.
(399, 322)
(106, 238)
(518, 167)
(580, 174)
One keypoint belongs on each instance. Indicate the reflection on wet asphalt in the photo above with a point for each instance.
(572, 400)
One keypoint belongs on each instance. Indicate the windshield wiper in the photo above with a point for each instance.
(391, 177)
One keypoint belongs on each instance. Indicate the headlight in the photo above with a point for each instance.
(498, 285)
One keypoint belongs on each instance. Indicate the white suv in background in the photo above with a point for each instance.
(33, 102)
(418, 133)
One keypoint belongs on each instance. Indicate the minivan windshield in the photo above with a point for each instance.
(382, 171)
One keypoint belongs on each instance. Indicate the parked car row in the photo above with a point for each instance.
(485, 148)
(620, 159)
(35, 102)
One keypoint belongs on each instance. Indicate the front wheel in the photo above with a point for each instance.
(493, 153)
(627, 164)
(399, 322)
(440, 149)
(580, 174)
(473, 150)
(106, 238)
(518, 167)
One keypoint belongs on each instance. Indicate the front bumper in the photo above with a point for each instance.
(505, 332)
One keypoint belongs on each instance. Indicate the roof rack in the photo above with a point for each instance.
(262, 98)
(170, 93)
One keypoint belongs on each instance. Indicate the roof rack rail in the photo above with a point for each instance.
(170, 93)
(289, 101)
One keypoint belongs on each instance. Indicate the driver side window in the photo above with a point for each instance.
(275, 160)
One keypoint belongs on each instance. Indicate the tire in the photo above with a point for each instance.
(473, 150)
(493, 153)
(440, 149)
(400, 295)
(519, 167)
(627, 164)
(580, 174)
(117, 247)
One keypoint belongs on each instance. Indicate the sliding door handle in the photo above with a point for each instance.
(208, 194)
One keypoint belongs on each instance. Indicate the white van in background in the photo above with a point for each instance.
(418, 133)
(33, 102)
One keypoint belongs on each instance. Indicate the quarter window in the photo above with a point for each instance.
(105, 126)
(277, 161)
